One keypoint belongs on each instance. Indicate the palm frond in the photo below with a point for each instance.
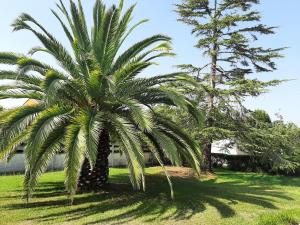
(130, 71)
(9, 58)
(153, 147)
(16, 76)
(75, 150)
(21, 94)
(168, 146)
(46, 122)
(137, 48)
(55, 48)
(80, 31)
(139, 114)
(93, 125)
(51, 146)
(131, 147)
(64, 27)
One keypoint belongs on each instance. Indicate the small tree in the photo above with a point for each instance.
(226, 32)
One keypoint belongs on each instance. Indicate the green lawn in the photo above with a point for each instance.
(230, 198)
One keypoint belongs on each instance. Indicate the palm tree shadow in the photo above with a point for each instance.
(191, 197)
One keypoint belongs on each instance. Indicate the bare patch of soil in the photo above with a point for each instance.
(185, 172)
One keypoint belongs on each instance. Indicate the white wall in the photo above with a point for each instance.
(17, 164)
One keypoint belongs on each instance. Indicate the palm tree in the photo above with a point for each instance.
(92, 96)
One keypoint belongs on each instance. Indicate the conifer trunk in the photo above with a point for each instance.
(208, 160)
(209, 116)
(211, 96)
(94, 179)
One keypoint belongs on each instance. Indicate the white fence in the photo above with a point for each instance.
(16, 164)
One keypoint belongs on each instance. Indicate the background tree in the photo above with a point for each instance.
(260, 116)
(227, 31)
(274, 146)
(90, 97)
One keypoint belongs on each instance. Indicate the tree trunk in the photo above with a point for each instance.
(208, 160)
(210, 108)
(94, 179)
(210, 99)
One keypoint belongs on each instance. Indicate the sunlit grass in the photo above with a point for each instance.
(227, 198)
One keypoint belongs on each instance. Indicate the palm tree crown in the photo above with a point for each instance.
(93, 89)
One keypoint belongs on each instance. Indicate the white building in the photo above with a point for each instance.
(226, 147)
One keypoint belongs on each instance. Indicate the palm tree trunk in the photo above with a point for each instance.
(94, 179)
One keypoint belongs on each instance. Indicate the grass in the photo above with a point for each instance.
(228, 198)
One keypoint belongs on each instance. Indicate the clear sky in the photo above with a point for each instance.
(284, 14)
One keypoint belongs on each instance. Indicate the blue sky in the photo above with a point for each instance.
(284, 14)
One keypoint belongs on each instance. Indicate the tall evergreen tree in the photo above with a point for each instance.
(227, 31)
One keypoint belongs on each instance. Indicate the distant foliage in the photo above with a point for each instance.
(275, 145)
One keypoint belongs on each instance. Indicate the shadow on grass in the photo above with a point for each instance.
(120, 204)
